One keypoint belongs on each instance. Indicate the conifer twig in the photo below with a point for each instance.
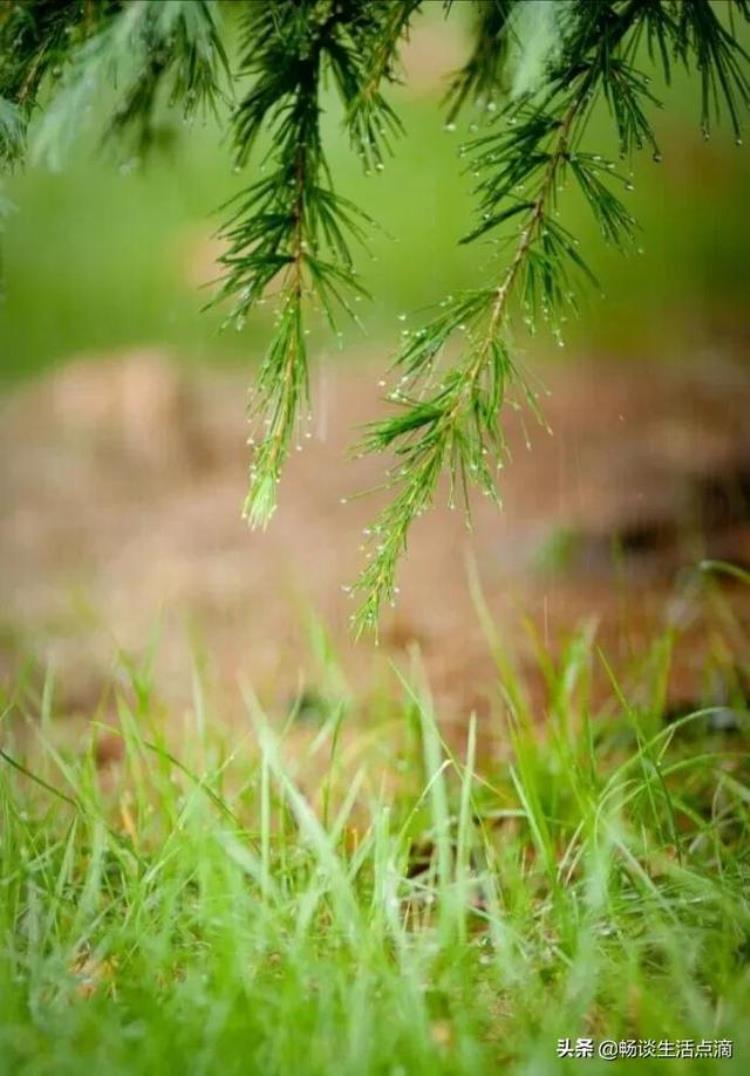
(441, 431)
(454, 425)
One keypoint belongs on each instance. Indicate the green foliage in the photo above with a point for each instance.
(538, 71)
(196, 913)
(149, 48)
(290, 226)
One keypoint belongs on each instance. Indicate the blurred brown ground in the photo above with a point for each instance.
(122, 481)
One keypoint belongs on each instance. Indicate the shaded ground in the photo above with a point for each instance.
(122, 483)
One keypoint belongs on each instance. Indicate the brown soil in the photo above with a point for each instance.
(122, 482)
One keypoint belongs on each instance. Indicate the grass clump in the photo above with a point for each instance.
(206, 915)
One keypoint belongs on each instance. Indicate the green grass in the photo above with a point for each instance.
(204, 914)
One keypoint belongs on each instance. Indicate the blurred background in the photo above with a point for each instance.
(123, 442)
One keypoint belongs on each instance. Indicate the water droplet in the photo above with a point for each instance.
(402, 317)
(449, 127)
(656, 157)
(129, 166)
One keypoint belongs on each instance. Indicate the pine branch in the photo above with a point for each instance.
(482, 74)
(458, 424)
(454, 426)
(291, 234)
(184, 59)
(35, 41)
(370, 119)
(141, 48)
(719, 59)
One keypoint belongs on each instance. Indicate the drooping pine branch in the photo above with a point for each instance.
(291, 233)
(63, 57)
(481, 77)
(152, 51)
(35, 41)
(448, 418)
(370, 119)
(68, 55)
(456, 424)
(703, 40)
